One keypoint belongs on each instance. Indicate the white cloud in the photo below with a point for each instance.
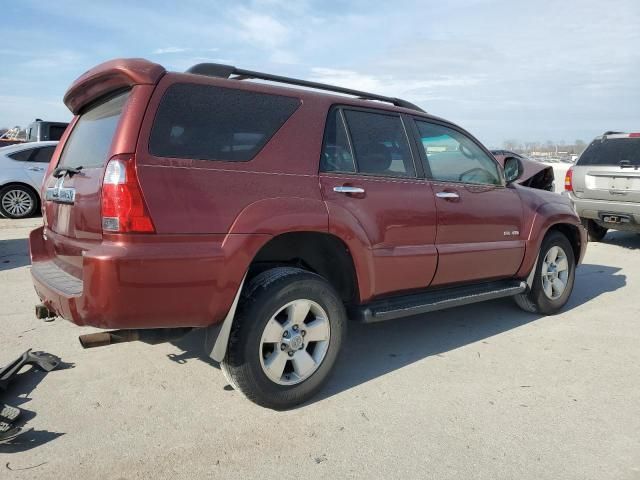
(393, 85)
(261, 30)
(162, 51)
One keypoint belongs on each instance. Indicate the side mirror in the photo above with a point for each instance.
(513, 169)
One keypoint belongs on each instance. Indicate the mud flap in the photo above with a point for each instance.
(217, 335)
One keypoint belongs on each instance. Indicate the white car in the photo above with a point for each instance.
(22, 169)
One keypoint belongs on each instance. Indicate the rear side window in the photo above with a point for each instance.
(90, 140)
(43, 155)
(380, 144)
(204, 122)
(611, 151)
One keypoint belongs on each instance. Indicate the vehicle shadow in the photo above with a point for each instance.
(627, 240)
(18, 394)
(14, 253)
(377, 349)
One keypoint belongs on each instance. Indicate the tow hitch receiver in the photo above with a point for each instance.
(43, 313)
(152, 336)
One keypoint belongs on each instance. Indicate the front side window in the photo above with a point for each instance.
(204, 122)
(453, 157)
(380, 144)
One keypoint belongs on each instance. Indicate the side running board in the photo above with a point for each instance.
(430, 301)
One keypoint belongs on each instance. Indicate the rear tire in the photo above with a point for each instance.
(18, 201)
(285, 338)
(595, 231)
(553, 279)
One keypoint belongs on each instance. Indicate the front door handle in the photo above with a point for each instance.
(448, 195)
(347, 189)
(36, 169)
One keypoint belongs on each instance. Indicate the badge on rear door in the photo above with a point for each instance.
(60, 194)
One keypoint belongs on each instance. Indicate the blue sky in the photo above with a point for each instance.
(527, 70)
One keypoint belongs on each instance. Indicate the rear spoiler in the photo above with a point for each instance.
(111, 76)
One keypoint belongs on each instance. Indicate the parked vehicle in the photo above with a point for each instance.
(267, 216)
(22, 169)
(535, 175)
(604, 184)
(40, 130)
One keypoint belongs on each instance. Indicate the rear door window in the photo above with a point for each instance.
(214, 123)
(380, 144)
(336, 151)
(90, 141)
(22, 155)
(612, 151)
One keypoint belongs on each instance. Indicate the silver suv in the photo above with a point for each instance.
(604, 184)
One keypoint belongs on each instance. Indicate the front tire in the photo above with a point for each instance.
(285, 337)
(17, 201)
(554, 277)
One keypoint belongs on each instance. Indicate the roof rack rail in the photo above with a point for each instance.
(226, 71)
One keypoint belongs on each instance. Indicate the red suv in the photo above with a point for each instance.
(266, 216)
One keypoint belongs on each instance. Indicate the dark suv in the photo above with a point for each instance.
(266, 216)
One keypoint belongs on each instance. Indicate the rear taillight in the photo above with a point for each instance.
(568, 180)
(634, 135)
(123, 208)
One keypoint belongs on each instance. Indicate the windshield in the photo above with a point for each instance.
(89, 143)
(611, 152)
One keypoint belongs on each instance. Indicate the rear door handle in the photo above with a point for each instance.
(347, 189)
(36, 169)
(448, 195)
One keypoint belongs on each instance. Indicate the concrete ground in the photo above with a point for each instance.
(484, 392)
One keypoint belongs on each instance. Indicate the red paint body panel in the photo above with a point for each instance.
(398, 218)
(479, 233)
(212, 217)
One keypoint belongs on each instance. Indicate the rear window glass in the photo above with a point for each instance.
(90, 140)
(214, 123)
(56, 131)
(611, 152)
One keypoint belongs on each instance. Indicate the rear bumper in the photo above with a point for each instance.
(593, 209)
(152, 282)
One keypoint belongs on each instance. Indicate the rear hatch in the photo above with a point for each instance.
(609, 169)
(72, 208)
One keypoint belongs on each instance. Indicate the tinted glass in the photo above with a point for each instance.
(214, 123)
(89, 142)
(380, 144)
(611, 152)
(453, 157)
(336, 154)
(55, 132)
(43, 155)
(22, 155)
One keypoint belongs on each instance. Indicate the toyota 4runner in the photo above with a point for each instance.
(267, 216)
